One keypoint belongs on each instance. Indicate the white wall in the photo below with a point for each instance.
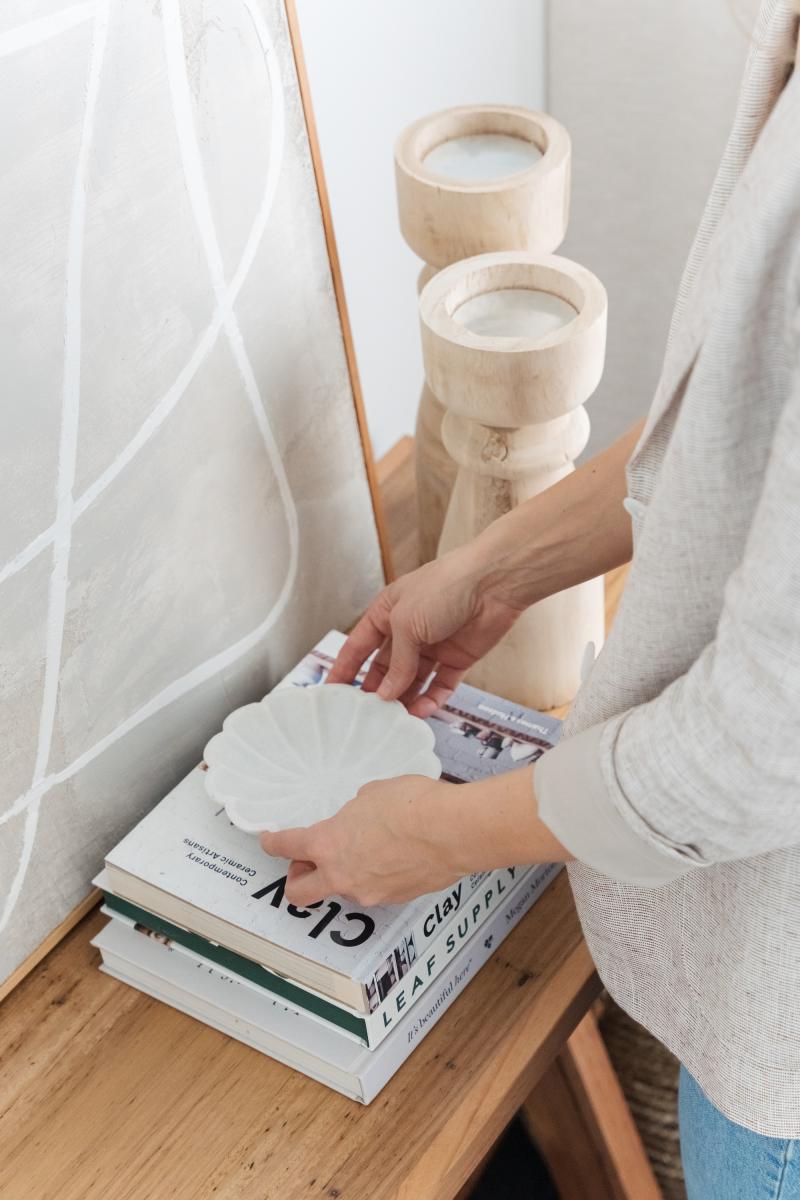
(647, 92)
(374, 66)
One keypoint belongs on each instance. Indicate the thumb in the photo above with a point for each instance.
(403, 663)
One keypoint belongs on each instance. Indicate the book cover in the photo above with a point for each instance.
(186, 861)
(220, 999)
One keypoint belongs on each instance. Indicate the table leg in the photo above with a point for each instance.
(581, 1122)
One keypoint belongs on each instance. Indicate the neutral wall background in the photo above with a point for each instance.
(373, 68)
(647, 92)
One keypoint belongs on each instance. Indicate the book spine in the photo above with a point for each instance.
(444, 908)
(369, 1029)
(380, 1065)
(402, 946)
(250, 972)
(423, 973)
(326, 1054)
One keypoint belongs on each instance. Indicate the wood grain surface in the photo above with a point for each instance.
(107, 1093)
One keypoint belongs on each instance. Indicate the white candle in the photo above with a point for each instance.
(482, 156)
(514, 312)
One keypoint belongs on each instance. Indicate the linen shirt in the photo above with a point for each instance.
(677, 782)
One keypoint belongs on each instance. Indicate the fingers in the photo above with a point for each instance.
(378, 668)
(403, 663)
(305, 884)
(305, 887)
(367, 636)
(288, 843)
(426, 668)
(437, 693)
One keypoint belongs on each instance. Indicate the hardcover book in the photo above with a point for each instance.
(369, 1028)
(222, 1000)
(187, 863)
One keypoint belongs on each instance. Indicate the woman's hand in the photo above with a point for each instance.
(400, 838)
(436, 621)
(392, 842)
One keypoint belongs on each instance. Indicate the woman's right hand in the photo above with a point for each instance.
(436, 621)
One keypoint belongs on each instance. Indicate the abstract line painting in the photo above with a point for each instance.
(184, 505)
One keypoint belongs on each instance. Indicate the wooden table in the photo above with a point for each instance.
(106, 1093)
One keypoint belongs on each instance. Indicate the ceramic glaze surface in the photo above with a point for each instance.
(301, 753)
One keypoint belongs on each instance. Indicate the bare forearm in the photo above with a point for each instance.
(575, 530)
(495, 823)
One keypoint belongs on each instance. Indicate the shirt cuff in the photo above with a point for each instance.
(575, 804)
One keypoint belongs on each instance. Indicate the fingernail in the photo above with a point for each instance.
(385, 689)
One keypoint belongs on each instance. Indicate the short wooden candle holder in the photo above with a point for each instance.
(471, 180)
(513, 345)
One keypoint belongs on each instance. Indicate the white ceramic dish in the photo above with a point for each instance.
(301, 753)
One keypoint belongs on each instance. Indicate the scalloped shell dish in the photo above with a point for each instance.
(301, 753)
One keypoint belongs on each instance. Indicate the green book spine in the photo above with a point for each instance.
(238, 965)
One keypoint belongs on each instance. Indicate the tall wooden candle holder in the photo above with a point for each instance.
(471, 180)
(513, 345)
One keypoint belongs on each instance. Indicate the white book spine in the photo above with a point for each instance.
(422, 973)
(427, 968)
(294, 1038)
(378, 1066)
(443, 908)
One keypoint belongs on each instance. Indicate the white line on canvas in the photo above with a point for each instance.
(219, 662)
(67, 452)
(205, 670)
(204, 220)
(32, 33)
(168, 401)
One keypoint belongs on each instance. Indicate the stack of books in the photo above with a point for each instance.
(200, 921)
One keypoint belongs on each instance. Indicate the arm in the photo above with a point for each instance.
(706, 772)
(572, 532)
(399, 838)
(709, 770)
(449, 613)
(402, 837)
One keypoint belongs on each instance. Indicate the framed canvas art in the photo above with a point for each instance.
(186, 500)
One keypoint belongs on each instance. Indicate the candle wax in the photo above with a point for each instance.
(514, 312)
(482, 156)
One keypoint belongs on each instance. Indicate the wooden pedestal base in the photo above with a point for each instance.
(444, 219)
(514, 423)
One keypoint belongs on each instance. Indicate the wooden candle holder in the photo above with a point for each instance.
(445, 217)
(514, 423)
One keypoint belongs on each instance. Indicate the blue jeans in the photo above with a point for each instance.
(725, 1161)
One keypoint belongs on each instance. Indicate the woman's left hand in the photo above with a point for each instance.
(393, 841)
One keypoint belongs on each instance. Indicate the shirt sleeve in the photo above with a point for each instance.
(709, 770)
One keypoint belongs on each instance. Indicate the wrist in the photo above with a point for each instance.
(467, 831)
(438, 815)
(493, 823)
(508, 562)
